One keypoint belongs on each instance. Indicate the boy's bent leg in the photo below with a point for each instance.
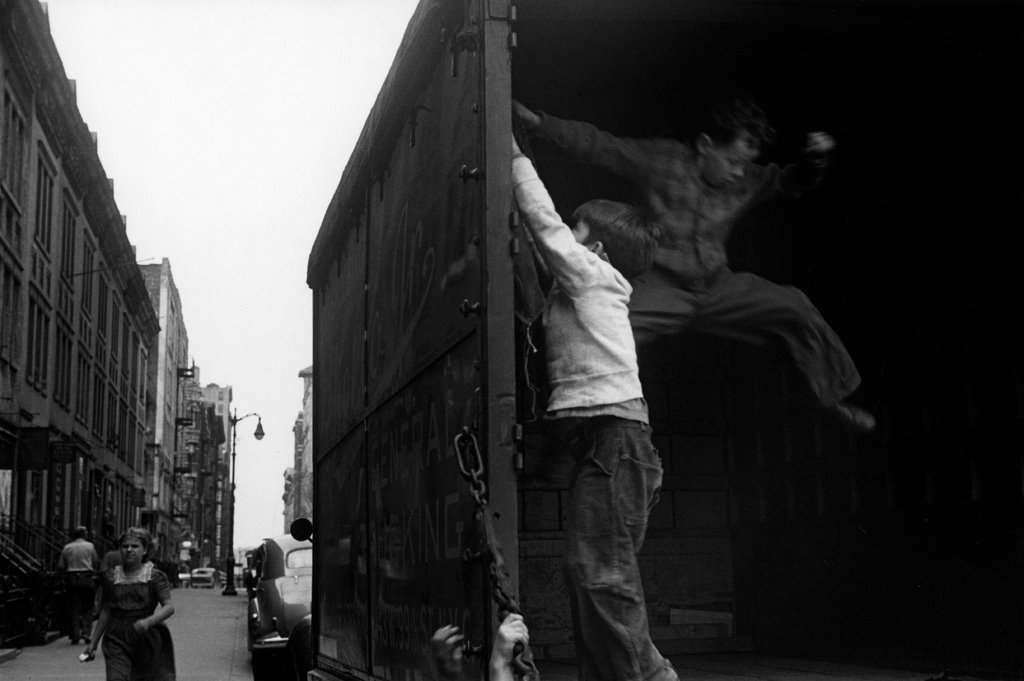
(657, 308)
(752, 309)
(615, 484)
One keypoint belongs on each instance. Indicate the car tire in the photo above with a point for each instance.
(296, 670)
(267, 665)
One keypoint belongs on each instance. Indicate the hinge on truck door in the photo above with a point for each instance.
(467, 308)
(517, 437)
(465, 40)
(413, 122)
(501, 9)
(466, 174)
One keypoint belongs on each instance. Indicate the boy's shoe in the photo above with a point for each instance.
(853, 417)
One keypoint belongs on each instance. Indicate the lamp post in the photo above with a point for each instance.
(229, 581)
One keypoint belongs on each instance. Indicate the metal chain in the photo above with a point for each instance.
(472, 467)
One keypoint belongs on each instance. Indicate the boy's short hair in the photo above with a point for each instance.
(628, 238)
(733, 111)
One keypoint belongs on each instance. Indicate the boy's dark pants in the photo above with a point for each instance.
(615, 484)
(748, 308)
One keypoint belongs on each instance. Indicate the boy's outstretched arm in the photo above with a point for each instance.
(512, 631)
(529, 117)
(569, 263)
(625, 157)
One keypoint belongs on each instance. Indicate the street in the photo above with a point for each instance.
(209, 645)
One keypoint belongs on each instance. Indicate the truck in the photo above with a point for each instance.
(777, 532)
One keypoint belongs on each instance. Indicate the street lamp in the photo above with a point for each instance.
(229, 582)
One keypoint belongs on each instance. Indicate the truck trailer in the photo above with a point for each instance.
(778, 532)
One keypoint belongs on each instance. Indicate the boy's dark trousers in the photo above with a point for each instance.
(751, 309)
(615, 483)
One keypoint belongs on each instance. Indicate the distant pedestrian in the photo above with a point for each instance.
(77, 564)
(107, 541)
(110, 559)
(134, 602)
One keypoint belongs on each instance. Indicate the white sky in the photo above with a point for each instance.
(226, 125)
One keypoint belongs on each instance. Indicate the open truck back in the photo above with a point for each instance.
(776, 531)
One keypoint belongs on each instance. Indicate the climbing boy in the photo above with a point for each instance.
(596, 396)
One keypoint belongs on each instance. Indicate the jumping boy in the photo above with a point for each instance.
(695, 194)
(596, 395)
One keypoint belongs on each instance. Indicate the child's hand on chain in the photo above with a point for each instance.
(511, 633)
(446, 652)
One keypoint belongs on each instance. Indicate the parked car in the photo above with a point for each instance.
(204, 577)
(279, 584)
(185, 578)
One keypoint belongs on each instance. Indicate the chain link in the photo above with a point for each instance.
(472, 469)
(471, 465)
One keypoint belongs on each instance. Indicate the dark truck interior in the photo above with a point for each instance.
(777, 531)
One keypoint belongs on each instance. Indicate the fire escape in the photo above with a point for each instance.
(185, 500)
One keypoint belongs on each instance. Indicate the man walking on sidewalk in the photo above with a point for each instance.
(78, 563)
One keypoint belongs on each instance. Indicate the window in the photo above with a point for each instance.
(10, 313)
(84, 383)
(122, 431)
(115, 315)
(299, 558)
(63, 357)
(135, 365)
(41, 270)
(12, 153)
(38, 344)
(101, 310)
(111, 432)
(44, 203)
(10, 217)
(101, 324)
(143, 361)
(68, 229)
(126, 348)
(99, 400)
(87, 274)
(130, 453)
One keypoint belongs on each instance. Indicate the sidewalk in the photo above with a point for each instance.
(208, 630)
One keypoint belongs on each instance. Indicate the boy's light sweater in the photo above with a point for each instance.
(591, 356)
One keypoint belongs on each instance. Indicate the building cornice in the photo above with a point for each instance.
(37, 66)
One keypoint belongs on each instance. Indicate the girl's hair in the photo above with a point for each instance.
(144, 537)
(629, 239)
